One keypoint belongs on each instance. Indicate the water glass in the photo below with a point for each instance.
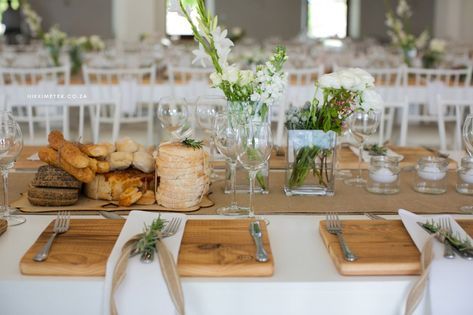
(174, 117)
(431, 175)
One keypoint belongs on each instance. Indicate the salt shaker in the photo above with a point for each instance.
(465, 176)
(431, 176)
(383, 175)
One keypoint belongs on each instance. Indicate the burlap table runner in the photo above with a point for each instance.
(347, 199)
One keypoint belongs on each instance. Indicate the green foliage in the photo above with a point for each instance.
(194, 144)
(147, 242)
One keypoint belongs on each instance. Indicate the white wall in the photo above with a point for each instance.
(454, 20)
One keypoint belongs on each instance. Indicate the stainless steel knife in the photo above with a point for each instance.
(111, 215)
(464, 254)
(256, 233)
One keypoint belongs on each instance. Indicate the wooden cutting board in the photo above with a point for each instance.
(383, 247)
(208, 248)
(3, 226)
(222, 248)
(82, 251)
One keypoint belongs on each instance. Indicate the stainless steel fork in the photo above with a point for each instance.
(442, 233)
(61, 225)
(334, 226)
(171, 228)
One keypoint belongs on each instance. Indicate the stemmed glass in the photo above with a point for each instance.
(11, 144)
(254, 145)
(206, 110)
(173, 114)
(225, 138)
(467, 135)
(361, 125)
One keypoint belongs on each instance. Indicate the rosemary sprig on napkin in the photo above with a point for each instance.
(147, 243)
(194, 144)
(455, 240)
(375, 150)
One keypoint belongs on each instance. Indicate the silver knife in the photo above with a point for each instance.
(464, 254)
(256, 233)
(111, 215)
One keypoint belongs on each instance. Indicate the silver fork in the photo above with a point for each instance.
(441, 235)
(171, 228)
(334, 226)
(61, 225)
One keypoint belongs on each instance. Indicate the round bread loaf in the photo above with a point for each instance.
(53, 177)
(43, 196)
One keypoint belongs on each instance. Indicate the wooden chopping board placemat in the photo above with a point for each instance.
(383, 247)
(222, 248)
(3, 226)
(81, 251)
(209, 248)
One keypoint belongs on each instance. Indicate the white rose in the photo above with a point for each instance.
(348, 80)
(230, 74)
(246, 77)
(372, 99)
(215, 78)
(367, 80)
(330, 80)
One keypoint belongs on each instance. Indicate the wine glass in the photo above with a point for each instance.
(225, 138)
(467, 135)
(11, 144)
(207, 108)
(174, 116)
(361, 125)
(254, 145)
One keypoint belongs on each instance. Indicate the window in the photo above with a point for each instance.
(177, 25)
(327, 18)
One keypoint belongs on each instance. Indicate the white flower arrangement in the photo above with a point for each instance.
(258, 90)
(434, 54)
(398, 30)
(54, 40)
(437, 45)
(94, 43)
(32, 19)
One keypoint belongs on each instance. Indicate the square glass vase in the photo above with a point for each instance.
(242, 184)
(311, 157)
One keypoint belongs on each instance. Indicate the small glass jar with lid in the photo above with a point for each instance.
(465, 176)
(431, 175)
(384, 175)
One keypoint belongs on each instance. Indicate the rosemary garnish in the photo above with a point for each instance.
(146, 244)
(375, 150)
(455, 240)
(194, 144)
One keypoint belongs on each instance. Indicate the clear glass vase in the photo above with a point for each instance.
(311, 161)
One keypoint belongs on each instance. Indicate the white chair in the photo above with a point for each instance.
(189, 82)
(424, 87)
(388, 83)
(135, 91)
(300, 89)
(460, 106)
(27, 89)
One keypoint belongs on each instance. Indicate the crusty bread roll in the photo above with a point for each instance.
(94, 150)
(129, 197)
(50, 156)
(72, 155)
(120, 160)
(148, 198)
(143, 161)
(126, 144)
(103, 167)
(55, 139)
(111, 185)
(110, 147)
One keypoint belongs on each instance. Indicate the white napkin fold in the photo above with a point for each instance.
(450, 280)
(33, 157)
(366, 157)
(143, 291)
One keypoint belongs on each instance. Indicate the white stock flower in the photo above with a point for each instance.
(230, 74)
(437, 45)
(422, 40)
(329, 80)
(403, 9)
(222, 44)
(246, 77)
(201, 56)
(215, 78)
(371, 100)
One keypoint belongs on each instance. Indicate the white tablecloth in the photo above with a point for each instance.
(305, 280)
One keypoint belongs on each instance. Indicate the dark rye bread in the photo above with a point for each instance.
(43, 196)
(53, 177)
